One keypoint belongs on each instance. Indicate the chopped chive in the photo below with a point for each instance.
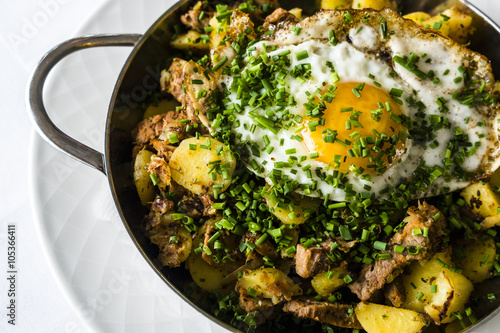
(302, 55)
(154, 179)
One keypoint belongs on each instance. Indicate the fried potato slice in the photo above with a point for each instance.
(196, 166)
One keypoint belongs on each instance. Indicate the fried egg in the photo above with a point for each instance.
(362, 103)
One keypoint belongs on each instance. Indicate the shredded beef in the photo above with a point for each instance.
(313, 260)
(395, 293)
(172, 79)
(264, 307)
(374, 276)
(265, 249)
(192, 20)
(341, 315)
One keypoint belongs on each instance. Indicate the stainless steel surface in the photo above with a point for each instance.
(34, 97)
(140, 76)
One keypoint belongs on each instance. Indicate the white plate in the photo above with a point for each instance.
(96, 263)
(103, 275)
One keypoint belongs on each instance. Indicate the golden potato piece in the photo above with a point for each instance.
(375, 4)
(269, 283)
(208, 278)
(475, 258)
(298, 215)
(218, 33)
(142, 178)
(452, 23)
(417, 278)
(163, 106)
(335, 4)
(452, 292)
(297, 12)
(483, 200)
(435, 289)
(418, 17)
(376, 318)
(325, 285)
(196, 166)
(192, 41)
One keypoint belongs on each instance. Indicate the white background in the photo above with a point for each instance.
(28, 29)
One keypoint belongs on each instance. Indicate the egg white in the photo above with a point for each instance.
(354, 60)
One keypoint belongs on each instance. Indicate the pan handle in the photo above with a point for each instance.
(34, 97)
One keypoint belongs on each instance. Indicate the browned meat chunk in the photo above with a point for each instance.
(157, 166)
(159, 127)
(313, 260)
(162, 205)
(208, 205)
(209, 232)
(171, 254)
(341, 315)
(192, 19)
(417, 247)
(265, 249)
(192, 86)
(172, 79)
(395, 293)
(251, 304)
(279, 17)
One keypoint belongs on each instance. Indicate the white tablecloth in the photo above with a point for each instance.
(28, 29)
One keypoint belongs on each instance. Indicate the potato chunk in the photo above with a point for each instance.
(269, 283)
(162, 107)
(483, 200)
(302, 208)
(452, 290)
(375, 4)
(192, 41)
(195, 164)
(417, 17)
(205, 276)
(208, 278)
(452, 23)
(325, 285)
(475, 258)
(376, 318)
(142, 179)
(335, 4)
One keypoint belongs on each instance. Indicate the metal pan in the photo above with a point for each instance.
(139, 75)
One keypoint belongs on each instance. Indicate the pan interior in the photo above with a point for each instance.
(140, 77)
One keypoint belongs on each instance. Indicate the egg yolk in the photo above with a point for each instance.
(362, 129)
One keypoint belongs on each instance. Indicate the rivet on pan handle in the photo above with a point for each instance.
(34, 96)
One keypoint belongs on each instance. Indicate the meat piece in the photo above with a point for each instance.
(196, 98)
(209, 232)
(341, 315)
(163, 149)
(395, 293)
(313, 260)
(172, 79)
(170, 254)
(265, 249)
(162, 205)
(192, 20)
(417, 247)
(190, 206)
(208, 205)
(263, 306)
(157, 166)
(279, 17)
(159, 127)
